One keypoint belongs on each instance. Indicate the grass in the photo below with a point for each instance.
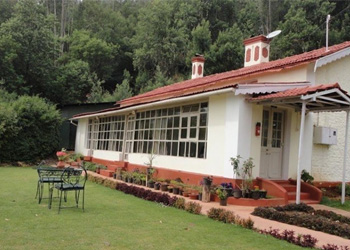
(112, 220)
(336, 203)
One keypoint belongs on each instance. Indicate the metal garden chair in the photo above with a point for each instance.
(72, 180)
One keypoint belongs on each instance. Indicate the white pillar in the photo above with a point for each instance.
(301, 136)
(345, 157)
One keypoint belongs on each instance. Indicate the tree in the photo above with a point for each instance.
(227, 52)
(121, 91)
(30, 60)
(301, 28)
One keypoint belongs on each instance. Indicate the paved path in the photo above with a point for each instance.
(261, 223)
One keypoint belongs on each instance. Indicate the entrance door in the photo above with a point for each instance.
(271, 144)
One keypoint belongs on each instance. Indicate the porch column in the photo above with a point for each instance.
(345, 157)
(301, 136)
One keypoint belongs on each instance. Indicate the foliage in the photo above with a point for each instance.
(305, 216)
(334, 247)
(32, 114)
(306, 176)
(304, 240)
(180, 203)
(229, 217)
(347, 189)
(193, 207)
(244, 171)
(221, 193)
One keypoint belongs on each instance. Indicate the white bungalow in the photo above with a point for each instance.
(195, 126)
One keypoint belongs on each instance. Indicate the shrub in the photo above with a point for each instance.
(318, 223)
(334, 247)
(180, 203)
(302, 207)
(193, 207)
(24, 114)
(305, 240)
(347, 189)
(214, 213)
(333, 216)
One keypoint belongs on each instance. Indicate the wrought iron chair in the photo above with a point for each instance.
(47, 175)
(72, 179)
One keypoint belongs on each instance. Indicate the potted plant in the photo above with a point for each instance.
(222, 195)
(237, 193)
(245, 171)
(62, 156)
(170, 188)
(157, 185)
(255, 193)
(263, 193)
(150, 183)
(207, 180)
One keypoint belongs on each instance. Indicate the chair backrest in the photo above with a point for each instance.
(75, 177)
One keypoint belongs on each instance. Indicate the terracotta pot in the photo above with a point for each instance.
(60, 164)
(185, 194)
(223, 202)
(164, 187)
(193, 196)
(255, 194)
(237, 193)
(176, 190)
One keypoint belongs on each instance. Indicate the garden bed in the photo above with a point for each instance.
(303, 215)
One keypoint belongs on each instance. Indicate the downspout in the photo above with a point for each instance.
(345, 157)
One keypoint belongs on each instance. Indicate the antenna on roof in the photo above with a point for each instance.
(327, 22)
(273, 34)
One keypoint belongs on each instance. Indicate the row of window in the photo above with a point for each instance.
(177, 131)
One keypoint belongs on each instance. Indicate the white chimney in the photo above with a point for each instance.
(257, 50)
(197, 66)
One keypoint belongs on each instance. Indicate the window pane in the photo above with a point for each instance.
(193, 133)
(145, 144)
(175, 134)
(193, 149)
(186, 109)
(202, 133)
(177, 111)
(170, 122)
(184, 122)
(193, 121)
(174, 149)
(168, 148)
(203, 120)
(168, 134)
(183, 133)
(182, 149)
(201, 149)
(170, 111)
(204, 107)
(164, 112)
(194, 108)
(176, 122)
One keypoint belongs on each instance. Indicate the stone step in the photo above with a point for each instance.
(303, 196)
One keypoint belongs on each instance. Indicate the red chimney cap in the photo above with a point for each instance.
(260, 38)
(198, 59)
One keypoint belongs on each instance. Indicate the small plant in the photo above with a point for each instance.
(306, 176)
(193, 207)
(245, 171)
(62, 155)
(221, 193)
(180, 203)
(347, 189)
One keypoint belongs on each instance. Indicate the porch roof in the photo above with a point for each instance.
(318, 98)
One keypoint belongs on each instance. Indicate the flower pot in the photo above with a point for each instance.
(193, 196)
(237, 193)
(255, 194)
(164, 187)
(263, 194)
(157, 186)
(185, 194)
(176, 190)
(143, 182)
(223, 202)
(246, 194)
(98, 170)
(115, 176)
(150, 184)
(229, 191)
(200, 196)
(207, 181)
(60, 164)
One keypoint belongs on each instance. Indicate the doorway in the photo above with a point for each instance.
(272, 134)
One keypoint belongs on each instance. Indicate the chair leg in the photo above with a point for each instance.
(37, 190)
(50, 196)
(59, 206)
(41, 192)
(83, 199)
(77, 195)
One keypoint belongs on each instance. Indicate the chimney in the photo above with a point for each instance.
(257, 50)
(197, 66)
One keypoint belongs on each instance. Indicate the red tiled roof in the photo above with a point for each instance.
(217, 81)
(297, 92)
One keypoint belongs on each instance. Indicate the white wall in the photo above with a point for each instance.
(80, 139)
(327, 161)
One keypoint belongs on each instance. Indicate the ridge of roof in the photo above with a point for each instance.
(207, 83)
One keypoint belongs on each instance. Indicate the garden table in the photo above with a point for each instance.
(49, 175)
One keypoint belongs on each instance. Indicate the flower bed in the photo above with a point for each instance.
(305, 216)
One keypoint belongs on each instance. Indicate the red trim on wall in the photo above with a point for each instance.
(248, 55)
(256, 53)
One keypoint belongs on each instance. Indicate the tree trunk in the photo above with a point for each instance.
(206, 193)
(63, 24)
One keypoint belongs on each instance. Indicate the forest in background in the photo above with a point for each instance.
(77, 51)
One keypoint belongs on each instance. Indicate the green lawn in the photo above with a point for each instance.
(112, 220)
(336, 203)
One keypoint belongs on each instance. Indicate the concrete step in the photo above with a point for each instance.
(304, 201)
(289, 187)
(303, 196)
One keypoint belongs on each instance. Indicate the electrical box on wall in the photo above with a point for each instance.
(325, 135)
